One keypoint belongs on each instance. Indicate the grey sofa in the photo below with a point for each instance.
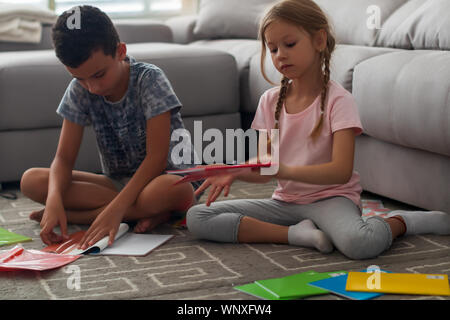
(392, 55)
(399, 75)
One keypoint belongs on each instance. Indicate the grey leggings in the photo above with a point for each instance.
(338, 217)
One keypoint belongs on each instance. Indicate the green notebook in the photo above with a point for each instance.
(8, 237)
(257, 291)
(296, 286)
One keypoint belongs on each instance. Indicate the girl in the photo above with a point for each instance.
(317, 201)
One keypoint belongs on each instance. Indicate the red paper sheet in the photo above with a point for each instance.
(19, 258)
(199, 173)
(68, 246)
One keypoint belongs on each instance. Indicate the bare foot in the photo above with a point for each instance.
(148, 224)
(37, 215)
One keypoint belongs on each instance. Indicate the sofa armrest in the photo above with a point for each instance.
(142, 30)
(182, 28)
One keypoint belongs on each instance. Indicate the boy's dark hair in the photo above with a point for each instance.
(73, 46)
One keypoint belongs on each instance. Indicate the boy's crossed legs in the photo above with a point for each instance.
(89, 193)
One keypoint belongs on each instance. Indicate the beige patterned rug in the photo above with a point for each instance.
(186, 268)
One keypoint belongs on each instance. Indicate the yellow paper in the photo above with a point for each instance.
(400, 283)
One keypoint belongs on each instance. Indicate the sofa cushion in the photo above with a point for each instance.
(404, 98)
(418, 24)
(242, 50)
(230, 18)
(31, 85)
(182, 28)
(389, 35)
(205, 80)
(240, 19)
(23, 149)
(358, 16)
(346, 57)
(142, 30)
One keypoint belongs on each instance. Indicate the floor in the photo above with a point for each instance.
(188, 268)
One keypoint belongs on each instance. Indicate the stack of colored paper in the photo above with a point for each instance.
(288, 288)
(363, 285)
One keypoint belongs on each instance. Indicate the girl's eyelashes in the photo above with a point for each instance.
(289, 45)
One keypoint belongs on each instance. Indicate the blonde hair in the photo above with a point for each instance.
(307, 15)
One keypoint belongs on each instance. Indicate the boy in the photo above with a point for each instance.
(133, 110)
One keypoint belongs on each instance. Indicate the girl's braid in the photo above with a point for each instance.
(281, 97)
(325, 61)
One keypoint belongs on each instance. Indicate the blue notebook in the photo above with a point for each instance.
(337, 284)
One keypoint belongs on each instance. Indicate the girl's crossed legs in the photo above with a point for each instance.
(274, 221)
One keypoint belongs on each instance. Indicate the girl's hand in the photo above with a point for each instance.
(217, 183)
(106, 223)
(53, 216)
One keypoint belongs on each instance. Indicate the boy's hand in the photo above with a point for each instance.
(106, 223)
(53, 215)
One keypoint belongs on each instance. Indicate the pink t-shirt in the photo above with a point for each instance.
(297, 148)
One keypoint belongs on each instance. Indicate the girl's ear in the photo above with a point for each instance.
(121, 51)
(320, 40)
